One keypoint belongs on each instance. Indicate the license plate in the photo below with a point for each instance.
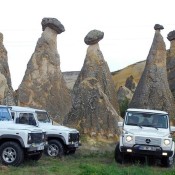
(40, 147)
(147, 148)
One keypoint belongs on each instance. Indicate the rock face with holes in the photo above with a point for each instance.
(153, 90)
(43, 85)
(171, 62)
(6, 90)
(94, 97)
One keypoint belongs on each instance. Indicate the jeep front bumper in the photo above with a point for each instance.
(36, 147)
(145, 150)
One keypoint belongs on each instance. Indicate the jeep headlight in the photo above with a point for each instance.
(29, 138)
(166, 141)
(129, 138)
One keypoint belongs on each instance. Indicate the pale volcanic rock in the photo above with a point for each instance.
(6, 90)
(43, 85)
(123, 94)
(92, 113)
(95, 108)
(153, 90)
(171, 62)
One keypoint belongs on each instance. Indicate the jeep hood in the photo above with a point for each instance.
(148, 132)
(56, 127)
(12, 126)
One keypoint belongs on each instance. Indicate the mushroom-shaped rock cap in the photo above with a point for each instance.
(93, 37)
(53, 23)
(158, 27)
(171, 35)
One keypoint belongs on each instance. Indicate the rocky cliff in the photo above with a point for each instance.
(171, 61)
(6, 90)
(153, 90)
(94, 96)
(43, 85)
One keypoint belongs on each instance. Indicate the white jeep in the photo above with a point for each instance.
(146, 133)
(61, 140)
(19, 141)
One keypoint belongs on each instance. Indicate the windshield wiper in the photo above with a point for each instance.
(139, 125)
(155, 127)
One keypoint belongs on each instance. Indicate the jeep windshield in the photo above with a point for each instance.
(43, 117)
(5, 114)
(156, 120)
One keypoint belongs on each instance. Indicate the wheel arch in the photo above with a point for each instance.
(56, 137)
(14, 138)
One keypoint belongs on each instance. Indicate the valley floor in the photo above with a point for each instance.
(85, 164)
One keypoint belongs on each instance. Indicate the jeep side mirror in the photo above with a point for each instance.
(120, 124)
(172, 128)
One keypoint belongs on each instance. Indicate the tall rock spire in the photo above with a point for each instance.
(6, 90)
(94, 97)
(171, 62)
(43, 85)
(153, 90)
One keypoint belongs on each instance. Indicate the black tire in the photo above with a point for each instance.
(36, 157)
(119, 157)
(54, 149)
(11, 153)
(167, 161)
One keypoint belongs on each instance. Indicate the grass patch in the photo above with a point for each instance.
(87, 164)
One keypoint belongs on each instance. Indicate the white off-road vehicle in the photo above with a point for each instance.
(61, 140)
(146, 133)
(19, 141)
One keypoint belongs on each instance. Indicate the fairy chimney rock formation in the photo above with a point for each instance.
(153, 90)
(43, 85)
(94, 97)
(6, 90)
(171, 62)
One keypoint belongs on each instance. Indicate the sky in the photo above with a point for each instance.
(128, 27)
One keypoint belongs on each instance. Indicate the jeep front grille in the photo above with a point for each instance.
(74, 137)
(142, 140)
(36, 137)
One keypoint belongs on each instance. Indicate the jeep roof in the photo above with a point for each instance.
(146, 111)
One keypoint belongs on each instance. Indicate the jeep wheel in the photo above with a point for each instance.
(54, 149)
(11, 154)
(119, 157)
(167, 161)
(35, 157)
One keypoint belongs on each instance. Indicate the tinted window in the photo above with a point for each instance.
(27, 118)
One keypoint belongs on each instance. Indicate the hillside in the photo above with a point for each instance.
(135, 70)
(119, 77)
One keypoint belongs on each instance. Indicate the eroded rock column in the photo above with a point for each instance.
(94, 97)
(153, 90)
(43, 85)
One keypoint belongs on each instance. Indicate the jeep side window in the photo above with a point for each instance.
(4, 114)
(27, 118)
(43, 117)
